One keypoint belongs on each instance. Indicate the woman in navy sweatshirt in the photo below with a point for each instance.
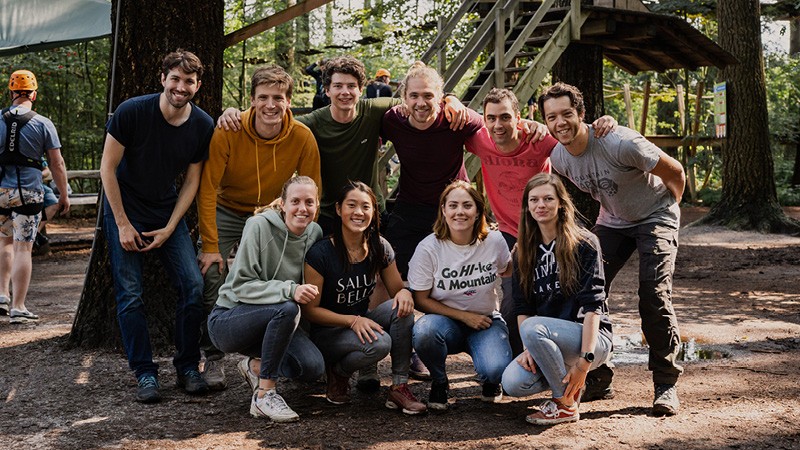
(558, 289)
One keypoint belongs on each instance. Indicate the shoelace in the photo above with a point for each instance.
(275, 402)
(147, 382)
(550, 408)
(193, 374)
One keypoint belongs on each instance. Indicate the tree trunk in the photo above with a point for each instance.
(148, 30)
(749, 199)
(285, 39)
(582, 66)
(794, 49)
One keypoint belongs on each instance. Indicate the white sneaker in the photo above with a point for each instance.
(272, 405)
(249, 376)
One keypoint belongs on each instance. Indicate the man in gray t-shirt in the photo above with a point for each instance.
(639, 188)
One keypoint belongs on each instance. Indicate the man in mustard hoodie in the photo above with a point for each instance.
(245, 170)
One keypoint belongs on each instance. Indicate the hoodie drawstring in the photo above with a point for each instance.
(258, 178)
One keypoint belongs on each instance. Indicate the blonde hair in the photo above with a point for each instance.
(420, 70)
(480, 229)
(277, 204)
(568, 237)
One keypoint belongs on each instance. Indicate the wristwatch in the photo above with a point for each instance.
(588, 356)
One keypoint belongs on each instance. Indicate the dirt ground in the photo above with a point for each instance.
(737, 296)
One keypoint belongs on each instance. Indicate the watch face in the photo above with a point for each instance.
(589, 356)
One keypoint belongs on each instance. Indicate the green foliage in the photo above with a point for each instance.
(73, 83)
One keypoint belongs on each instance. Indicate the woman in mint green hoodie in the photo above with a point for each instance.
(258, 307)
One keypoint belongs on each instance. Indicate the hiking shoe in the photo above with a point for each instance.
(418, 371)
(214, 374)
(665, 401)
(437, 399)
(401, 397)
(598, 384)
(147, 392)
(273, 406)
(192, 382)
(22, 316)
(249, 376)
(5, 303)
(492, 393)
(553, 412)
(338, 390)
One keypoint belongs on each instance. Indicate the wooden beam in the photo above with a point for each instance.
(628, 105)
(272, 21)
(645, 107)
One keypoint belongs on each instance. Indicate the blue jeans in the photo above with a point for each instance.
(657, 246)
(268, 332)
(179, 259)
(437, 336)
(347, 354)
(555, 345)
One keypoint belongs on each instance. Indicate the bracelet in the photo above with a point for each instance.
(353, 324)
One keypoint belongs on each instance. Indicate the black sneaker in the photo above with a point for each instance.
(492, 393)
(665, 400)
(148, 389)
(598, 384)
(437, 400)
(192, 382)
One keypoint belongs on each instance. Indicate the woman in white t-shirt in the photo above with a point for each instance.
(454, 274)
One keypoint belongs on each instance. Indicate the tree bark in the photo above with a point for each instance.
(749, 198)
(794, 49)
(582, 66)
(148, 30)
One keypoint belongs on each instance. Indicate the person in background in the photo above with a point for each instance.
(379, 87)
(25, 138)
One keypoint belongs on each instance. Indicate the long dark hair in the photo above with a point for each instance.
(376, 257)
(568, 237)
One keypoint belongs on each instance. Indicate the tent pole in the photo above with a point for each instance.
(114, 62)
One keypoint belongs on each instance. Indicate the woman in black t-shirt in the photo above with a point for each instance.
(558, 289)
(344, 267)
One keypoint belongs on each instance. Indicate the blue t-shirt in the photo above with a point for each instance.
(155, 154)
(344, 291)
(38, 136)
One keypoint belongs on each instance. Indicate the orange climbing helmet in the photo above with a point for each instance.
(382, 73)
(22, 80)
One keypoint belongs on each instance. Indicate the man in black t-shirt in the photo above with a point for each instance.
(151, 140)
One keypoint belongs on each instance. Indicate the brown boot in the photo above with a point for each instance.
(338, 391)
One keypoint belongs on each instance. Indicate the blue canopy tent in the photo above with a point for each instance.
(32, 25)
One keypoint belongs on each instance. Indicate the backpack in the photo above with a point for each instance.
(12, 155)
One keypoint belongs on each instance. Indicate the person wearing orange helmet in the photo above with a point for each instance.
(25, 138)
(379, 87)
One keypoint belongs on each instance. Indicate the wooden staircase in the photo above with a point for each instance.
(525, 38)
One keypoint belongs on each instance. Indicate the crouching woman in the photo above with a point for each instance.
(558, 290)
(258, 310)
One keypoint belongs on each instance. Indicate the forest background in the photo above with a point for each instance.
(392, 34)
